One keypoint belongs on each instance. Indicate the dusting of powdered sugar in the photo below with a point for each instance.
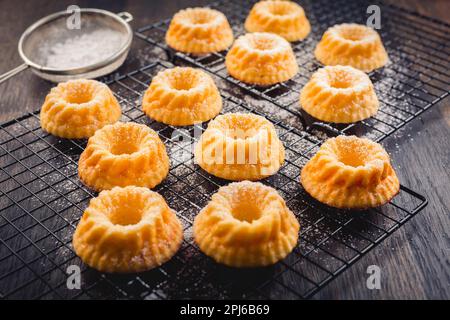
(82, 50)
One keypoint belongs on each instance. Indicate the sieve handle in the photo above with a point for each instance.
(13, 72)
(126, 16)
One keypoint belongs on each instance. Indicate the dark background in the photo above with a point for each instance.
(414, 261)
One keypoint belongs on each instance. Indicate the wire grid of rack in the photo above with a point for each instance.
(42, 200)
(415, 79)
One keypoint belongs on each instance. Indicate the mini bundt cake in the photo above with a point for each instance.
(246, 224)
(77, 108)
(239, 146)
(199, 31)
(350, 173)
(261, 58)
(339, 94)
(182, 96)
(123, 154)
(352, 45)
(126, 230)
(285, 18)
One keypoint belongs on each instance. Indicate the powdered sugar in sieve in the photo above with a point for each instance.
(81, 50)
(57, 52)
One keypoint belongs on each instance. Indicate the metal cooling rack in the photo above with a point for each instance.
(42, 200)
(416, 78)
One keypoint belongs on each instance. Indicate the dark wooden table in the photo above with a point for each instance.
(414, 261)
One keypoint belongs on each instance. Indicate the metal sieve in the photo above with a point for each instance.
(50, 36)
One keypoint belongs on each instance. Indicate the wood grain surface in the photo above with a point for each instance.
(414, 261)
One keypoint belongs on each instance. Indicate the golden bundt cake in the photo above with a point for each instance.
(285, 18)
(339, 94)
(128, 229)
(199, 31)
(123, 154)
(246, 224)
(240, 146)
(182, 96)
(350, 172)
(77, 108)
(262, 59)
(352, 45)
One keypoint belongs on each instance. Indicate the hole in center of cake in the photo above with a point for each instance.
(241, 134)
(246, 211)
(340, 83)
(121, 147)
(125, 214)
(353, 34)
(279, 10)
(263, 43)
(186, 83)
(352, 156)
(340, 79)
(243, 127)
(201, 18)
(78, 95)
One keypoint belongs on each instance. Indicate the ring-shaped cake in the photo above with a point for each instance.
(77, 108)
(199, 31)
(284, 18)
(353, 45)
(246, 224)
(123, 154)
(339, 94)
(261, 58)
(126, 230)
(350, 173)
(182, 96)
(240, 146)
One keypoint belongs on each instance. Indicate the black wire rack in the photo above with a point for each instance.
(42, 200)
(415, 79)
